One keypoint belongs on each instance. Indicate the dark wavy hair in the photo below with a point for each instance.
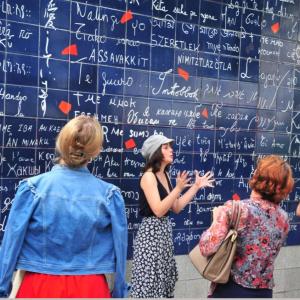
(155, 161)
(272, 179)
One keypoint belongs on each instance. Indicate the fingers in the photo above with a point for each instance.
(183, 179)
(187, 180)
(188, 185)
(182, 175)
(210, 183)
(210, 178)
(206, 180)
(208, 175)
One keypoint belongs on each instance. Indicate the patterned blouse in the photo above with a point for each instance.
(262, 231)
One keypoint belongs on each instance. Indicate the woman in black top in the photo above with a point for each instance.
(154, 271)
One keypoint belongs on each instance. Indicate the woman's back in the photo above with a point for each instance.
(260, 239)
(262, 230)
(71, 224)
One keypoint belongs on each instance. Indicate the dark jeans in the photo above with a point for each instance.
(234, 290)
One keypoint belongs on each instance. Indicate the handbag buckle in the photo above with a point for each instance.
(234, 236)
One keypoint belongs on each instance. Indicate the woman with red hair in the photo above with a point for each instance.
(262, 230)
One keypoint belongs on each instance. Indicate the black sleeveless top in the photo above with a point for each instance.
(145, 210)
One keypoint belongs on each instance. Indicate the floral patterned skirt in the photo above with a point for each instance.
(154, 270)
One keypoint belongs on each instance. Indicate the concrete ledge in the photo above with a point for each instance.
(286, 276)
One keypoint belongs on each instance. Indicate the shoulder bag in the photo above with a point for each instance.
(217, 267)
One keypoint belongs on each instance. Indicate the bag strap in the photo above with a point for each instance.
(236, 214)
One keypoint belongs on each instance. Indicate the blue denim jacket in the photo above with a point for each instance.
(68, 222)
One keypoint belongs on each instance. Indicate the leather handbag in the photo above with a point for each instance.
(217, 267)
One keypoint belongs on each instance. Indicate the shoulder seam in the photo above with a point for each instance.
(32, 189)
(110, 191)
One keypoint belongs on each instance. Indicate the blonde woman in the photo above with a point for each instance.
(67, 228)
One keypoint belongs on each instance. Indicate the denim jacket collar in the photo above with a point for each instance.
(83, 169)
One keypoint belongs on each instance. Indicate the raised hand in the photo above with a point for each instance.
(206, 180)
(182, 180)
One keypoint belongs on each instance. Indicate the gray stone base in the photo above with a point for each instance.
(286, 276)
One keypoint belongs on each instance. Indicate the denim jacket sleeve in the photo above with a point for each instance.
(17, 223)
(116, 209)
